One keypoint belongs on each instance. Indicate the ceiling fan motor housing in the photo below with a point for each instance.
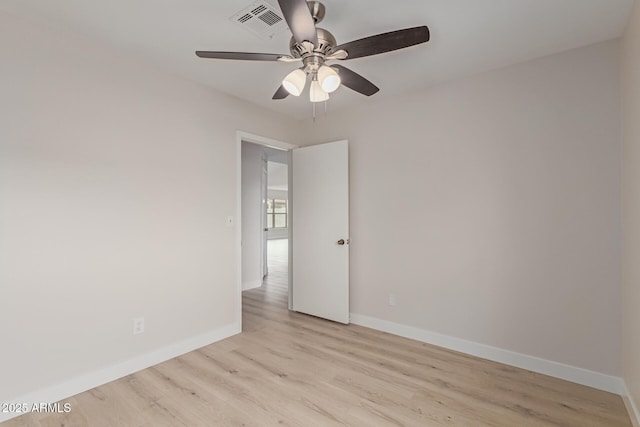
(313, 56)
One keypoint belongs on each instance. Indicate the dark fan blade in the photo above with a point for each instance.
(355, 81)
(385, 42)
(240, 55)
(281, 93)
(299, 19)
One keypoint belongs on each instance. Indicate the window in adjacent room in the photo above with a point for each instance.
(276, 213)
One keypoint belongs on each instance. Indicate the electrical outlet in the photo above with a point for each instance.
(393, 300)
(138, 325)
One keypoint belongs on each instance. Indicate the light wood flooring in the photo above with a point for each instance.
(294, 370)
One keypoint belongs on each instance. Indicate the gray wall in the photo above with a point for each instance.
(252, 227)
(116, 180)
(631, 207)
(491, 207)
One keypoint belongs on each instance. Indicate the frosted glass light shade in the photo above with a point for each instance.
(316, 94)
(294, 82)
(329, 79)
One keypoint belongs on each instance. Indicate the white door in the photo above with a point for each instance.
(320, 216)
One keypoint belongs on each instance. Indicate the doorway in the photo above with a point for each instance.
(321, 239)
(264, 219)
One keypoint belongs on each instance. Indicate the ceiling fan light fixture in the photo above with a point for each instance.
(315, 46)
(316, 94)
(329, 79)
(294, 82)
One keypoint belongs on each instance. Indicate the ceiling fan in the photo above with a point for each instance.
(315, 46)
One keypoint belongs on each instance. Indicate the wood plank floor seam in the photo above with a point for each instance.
(288, 369)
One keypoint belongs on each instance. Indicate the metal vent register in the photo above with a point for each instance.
(262, 19)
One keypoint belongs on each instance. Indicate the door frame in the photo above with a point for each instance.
(264, 191)
(267, 142)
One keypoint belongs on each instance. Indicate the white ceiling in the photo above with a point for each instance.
(467, 36)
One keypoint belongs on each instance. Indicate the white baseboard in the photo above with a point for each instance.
(251, 285)
(632, 409)
(94, 379)
(555, 369)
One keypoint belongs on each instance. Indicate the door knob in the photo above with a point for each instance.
(341, 242)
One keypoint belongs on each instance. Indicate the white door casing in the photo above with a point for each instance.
(263, 193)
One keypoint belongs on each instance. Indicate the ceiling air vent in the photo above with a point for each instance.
(262, 19)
